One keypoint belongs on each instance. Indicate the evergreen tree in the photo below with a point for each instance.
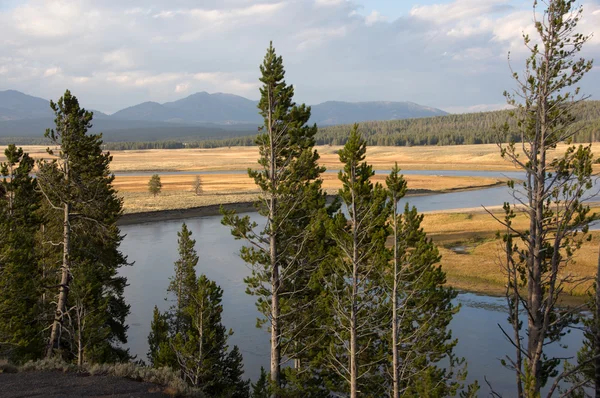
(191, 337)
(81, 209)
(355, 285)
(183, 284)
(20, 279)
(160, 353)
(291, 196)
(260, 389)
(552, 194)
(421, 307)
(154, 185)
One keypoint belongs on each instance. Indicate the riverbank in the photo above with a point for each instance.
(211, 204)
(177, 194)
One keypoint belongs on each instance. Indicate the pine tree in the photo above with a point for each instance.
(183, 284)
(290, 197)
(552, 196)
(160, 353)
(191, 337)
(154, 185)
(81, 209)
(20, 279)
(421, 307)
(355, 286)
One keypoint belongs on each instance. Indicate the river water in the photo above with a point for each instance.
(153, 248)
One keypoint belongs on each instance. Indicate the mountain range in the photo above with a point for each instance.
(200, 115)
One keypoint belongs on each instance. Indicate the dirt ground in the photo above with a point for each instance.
(55, 384)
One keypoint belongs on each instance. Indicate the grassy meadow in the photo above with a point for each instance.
(471, 255)
(458, 157)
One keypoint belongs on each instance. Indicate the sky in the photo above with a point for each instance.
(449, 54)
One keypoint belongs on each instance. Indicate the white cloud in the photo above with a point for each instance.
(118, 58)
(375, 17)
(53, 18)
(81, 79)
(52, 72)
(182, 88)
(314, 37)
(476, 108)
(456, 10)
(328, 3)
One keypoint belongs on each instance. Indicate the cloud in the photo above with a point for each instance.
(459, 10)
(477, 108)
(53, 18)
(51, 72)
(119, 53)
(328, 3)
(182, 87)
(118, 58)
(375, 17)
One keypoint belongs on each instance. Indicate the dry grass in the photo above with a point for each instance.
(234, 188)
(458, 157)
(236, 183)
(479, 268)
(141, 202)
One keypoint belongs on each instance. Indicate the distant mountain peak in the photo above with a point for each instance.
(221, 108)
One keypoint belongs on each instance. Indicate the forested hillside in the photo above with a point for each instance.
(470, 128)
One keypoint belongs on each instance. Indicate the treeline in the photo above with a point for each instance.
(179, 144)
(465, 129)
(471, 128)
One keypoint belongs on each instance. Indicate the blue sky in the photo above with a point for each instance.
(450, 54)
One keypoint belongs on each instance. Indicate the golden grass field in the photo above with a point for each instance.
(458, 157)
(478, 267)
(177, 191)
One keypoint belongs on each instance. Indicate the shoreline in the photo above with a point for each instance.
(245, 207)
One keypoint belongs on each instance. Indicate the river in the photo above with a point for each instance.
(153, 248)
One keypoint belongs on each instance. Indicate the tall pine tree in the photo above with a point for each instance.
(552, 196)
(81, 210)
(291, 196)
(421, 307)
(354, 281)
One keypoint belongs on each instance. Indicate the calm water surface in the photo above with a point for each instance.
(153, 247)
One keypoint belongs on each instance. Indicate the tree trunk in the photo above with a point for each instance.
(275, 353)
(597, 332)
(64, 284)
(275, 282)
(79, 338)
(394, 301)
(353, 331)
